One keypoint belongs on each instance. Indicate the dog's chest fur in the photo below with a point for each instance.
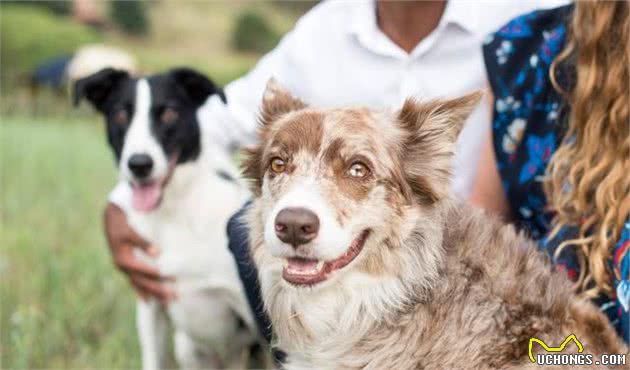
(189, 228)
(192, 218)
(479, 314)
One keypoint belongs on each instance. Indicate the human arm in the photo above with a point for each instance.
(123, 241)
(487, 191)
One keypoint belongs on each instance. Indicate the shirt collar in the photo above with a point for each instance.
(458, 12)
(363, 18)
(363, 26)
(463, 14)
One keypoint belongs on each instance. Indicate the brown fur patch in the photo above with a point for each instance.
(374, 266)
(302, 131)
(252, 168)
(332, 157)
(595, 325)
(333, 151)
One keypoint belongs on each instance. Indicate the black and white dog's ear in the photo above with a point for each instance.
(196, 85)
(97, 87)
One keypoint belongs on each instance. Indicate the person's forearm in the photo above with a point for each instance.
(487, 192)
(234, 124)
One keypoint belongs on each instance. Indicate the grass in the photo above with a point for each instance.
(62, 304)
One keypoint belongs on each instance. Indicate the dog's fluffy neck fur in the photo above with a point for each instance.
(417, 317)
(318, 328)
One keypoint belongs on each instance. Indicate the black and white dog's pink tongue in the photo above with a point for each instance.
(146, 197)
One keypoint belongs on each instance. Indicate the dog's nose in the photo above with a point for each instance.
(296, 226)
(140, 165)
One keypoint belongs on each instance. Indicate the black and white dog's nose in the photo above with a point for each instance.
(296, 226)
(140, 165)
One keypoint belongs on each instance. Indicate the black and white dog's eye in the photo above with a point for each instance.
(121, 117)
(169, 115)
(358, 170)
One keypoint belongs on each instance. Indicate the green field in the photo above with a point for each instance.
(63, 305)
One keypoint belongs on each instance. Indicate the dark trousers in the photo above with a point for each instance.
(239, 246)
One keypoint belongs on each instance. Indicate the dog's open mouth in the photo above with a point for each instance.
(303, 271)
(146, 196)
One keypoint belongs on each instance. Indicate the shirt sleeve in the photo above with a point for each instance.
(233, 125)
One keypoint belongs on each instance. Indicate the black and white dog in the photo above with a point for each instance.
(180, 191)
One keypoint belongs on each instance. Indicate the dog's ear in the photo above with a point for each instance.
(97, 87)
(276, 102)
(196, 85)
(432, 129)
(252, 168)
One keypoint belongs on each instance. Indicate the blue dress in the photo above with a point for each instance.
(529, 123)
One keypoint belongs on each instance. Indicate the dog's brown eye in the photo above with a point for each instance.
(278, 165)
(121, 117)
(358, 170)
(169, 115)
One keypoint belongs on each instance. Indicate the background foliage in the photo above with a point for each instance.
(130, 16)
(30, 34)
(252, 33)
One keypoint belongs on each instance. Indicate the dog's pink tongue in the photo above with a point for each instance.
(146, 197)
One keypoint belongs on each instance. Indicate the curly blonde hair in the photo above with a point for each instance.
(588, 178)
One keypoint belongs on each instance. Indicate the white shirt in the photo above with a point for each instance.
(336, 55)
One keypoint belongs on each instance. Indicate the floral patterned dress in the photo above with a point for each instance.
(528, 125)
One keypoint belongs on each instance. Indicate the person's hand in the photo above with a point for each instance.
(122, 239)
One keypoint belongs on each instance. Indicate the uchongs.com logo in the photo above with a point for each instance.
(553, 356)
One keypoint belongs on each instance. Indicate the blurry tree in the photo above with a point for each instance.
(253, 33)
(30, 34)
(130, 16)
(299, 7)
(55, 6)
